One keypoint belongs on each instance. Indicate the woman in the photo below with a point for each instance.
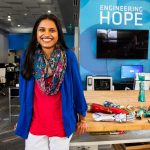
(52, 104)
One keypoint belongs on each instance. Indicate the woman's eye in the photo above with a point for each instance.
(42, 30)
(52, 30)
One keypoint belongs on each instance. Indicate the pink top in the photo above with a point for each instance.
(47, 114)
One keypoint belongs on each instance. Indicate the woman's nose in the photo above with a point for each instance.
(47, 33)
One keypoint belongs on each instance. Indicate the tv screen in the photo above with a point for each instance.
(122, 44)
(128, 72)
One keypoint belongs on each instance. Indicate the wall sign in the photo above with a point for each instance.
(121, 15)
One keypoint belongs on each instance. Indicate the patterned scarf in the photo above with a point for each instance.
(55, 67)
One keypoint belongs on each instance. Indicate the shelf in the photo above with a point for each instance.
(14, 96)
(15, 115)
(13, 102)
(15, 106)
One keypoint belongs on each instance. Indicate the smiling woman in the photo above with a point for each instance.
(52, 103)
(47, 36)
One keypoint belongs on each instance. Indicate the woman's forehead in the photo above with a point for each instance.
(47, 23)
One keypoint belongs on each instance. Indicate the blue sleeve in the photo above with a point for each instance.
(78, 95)
(22, 83)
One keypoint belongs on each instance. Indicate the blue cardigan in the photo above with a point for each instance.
(73, 101)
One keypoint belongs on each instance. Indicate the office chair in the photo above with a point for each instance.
(2, 80)
(146, 82)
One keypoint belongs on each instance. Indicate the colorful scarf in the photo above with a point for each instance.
(57, 65)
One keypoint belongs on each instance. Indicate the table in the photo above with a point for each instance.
(137, 131)
(120, 97)
(94, 126)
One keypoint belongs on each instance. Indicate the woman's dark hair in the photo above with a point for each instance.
(27, 68)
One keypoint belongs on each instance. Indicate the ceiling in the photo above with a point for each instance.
(23, 13)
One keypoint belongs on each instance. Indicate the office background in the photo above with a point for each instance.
(90, 22)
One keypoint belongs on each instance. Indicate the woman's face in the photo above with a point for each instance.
(47, 34)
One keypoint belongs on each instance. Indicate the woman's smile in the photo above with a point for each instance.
(47, 39)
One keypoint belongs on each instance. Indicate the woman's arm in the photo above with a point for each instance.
(78, 95)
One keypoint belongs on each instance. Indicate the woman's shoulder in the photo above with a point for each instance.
(70, 54)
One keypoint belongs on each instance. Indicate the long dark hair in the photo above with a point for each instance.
(27, 68)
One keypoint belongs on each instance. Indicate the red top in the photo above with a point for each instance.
(47, 114)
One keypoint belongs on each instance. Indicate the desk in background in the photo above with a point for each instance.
(138, 131)
(123, 85)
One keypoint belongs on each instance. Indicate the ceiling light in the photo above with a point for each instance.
(49, 11)
(9, 16)
(9, 19)
(25, 14)
(18, 25)
(43, 0)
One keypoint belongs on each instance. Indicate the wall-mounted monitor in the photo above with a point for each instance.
(122, 44)
(129, 71)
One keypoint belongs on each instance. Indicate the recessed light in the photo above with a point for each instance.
(25, 14)
(9, 16)
(18, 25)
(43, 0)
(9, 19)
(49, 11)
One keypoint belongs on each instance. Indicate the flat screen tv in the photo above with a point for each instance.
(122, 44)
(129, 71)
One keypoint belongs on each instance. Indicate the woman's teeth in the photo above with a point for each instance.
(46, 40)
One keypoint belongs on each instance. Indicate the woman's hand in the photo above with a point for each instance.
(81, 127)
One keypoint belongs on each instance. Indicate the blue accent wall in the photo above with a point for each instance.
(124, 18)
(21, 41)
(18, 41)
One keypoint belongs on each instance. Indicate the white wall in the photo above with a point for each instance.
(3, 47)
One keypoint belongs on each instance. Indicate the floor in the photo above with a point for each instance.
(9, 141)
(7, 137)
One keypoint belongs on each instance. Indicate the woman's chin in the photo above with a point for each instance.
(48, 47)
